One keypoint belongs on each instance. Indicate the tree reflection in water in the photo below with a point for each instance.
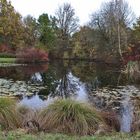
(66, 79)
(60, 81)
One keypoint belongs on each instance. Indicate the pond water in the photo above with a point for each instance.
(99, 84)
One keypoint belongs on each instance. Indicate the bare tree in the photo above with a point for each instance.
(67, 22)
(112, 22)
(124, 17)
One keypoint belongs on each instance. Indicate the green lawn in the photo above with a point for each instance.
(7, 60)
(20, 135)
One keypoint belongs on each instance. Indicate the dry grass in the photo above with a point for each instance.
(29, 118)
(111, 120)
(70, 117)
(62, 116)
(9, 117)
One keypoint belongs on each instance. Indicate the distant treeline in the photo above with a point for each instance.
(110, 32)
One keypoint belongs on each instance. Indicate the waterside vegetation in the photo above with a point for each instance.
(111, 37)
(62, 116)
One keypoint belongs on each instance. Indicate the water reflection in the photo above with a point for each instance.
(35, 101)
(65, 79)
(126, 115)
(36, 78)
(83, 81)
(19, 73)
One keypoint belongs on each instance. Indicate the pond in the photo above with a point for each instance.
(98, 84)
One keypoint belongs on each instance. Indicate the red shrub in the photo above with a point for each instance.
(3, 48)
(6, 49)
(31, 55)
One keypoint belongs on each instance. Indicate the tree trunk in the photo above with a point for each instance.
(119, 42)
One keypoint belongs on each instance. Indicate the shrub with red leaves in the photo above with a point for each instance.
(31, 55)
(4, 48)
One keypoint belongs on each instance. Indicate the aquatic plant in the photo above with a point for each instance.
(68, 116)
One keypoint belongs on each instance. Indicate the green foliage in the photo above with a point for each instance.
(6, 102)
(70, 117)
(47, 35)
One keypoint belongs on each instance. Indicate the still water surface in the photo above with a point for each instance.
(67, 79)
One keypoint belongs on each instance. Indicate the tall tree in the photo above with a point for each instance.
(84, 44)
(47, 30)
(31, 33)
(112, 23)
(66, 21)
(10, 24)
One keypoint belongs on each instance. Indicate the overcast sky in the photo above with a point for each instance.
(83, 8)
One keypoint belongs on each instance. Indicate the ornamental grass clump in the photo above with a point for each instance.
(70, 117)
(9, 117)
(29, 118)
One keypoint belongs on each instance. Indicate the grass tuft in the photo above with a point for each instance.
(9, 117)
(70, 117)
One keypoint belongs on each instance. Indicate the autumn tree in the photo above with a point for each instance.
(11, 28)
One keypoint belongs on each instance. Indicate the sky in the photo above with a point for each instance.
(83, 8)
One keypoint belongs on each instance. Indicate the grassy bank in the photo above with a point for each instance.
(7, 60)
(21, 135)
(61, 120)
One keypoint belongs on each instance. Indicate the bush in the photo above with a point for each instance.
(70, 117)
(31, 55)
